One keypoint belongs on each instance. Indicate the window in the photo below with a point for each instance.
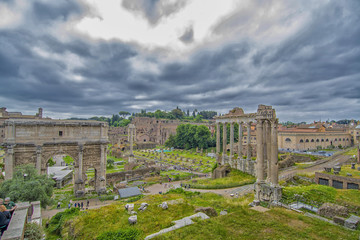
(317, 140)
(322, 140)
(312, 140)
(335, 140)
(288, 140)
(60, 133)
(307, 140)
(301, 140)
(327, 140)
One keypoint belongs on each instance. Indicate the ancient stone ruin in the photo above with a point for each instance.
(266, 165)
(36, 141)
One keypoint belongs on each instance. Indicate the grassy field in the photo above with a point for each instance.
(198, 161)
(345, 169)
(236, 178)
(176, 175)
(240, 223)
(319, 194)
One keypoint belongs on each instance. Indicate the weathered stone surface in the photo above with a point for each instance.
(208, 211)
(179, 224)
(331, 210)
(132, 219)
(352, 222)
(129, 207)
(339, 220)
(164, 205)
(143, 206)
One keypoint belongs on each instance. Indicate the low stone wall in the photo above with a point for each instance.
(24, 212)
(337, 181)
(244, 165)
(136, 174)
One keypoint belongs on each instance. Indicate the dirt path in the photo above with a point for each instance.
(93, 204)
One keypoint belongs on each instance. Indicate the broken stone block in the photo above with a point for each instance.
(132, 220)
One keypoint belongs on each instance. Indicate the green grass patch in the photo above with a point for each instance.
(274, 224)
(236, 178)
(345, 169)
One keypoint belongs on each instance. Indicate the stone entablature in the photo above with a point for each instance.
(36, 141)
(345, 181)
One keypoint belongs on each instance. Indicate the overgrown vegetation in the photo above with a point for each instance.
(33, 231)
(28, 185)
(236, 178)
(122, 234)
(240, 223)
(316, 195)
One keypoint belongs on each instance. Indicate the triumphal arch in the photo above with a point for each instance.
(36, 141)
(266, 165)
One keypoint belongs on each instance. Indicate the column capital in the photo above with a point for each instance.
(81, 147)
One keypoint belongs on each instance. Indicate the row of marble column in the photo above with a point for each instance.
(240, 145)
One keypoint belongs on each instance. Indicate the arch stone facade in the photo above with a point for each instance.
(266, 165)
(36, 141)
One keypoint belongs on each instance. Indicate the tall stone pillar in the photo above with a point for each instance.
(249, 140)
(38, 159)
(9, 162)
(79, 182)
(102, 178)
(131, 136)
(218, 138)
(240, 140)
(81, 154)
(274, 153)
(231, 140)
(224, 142)
(268, 149)
(259, 152)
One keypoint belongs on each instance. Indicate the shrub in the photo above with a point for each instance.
(122, 234)
(57, 222)
(33, 231)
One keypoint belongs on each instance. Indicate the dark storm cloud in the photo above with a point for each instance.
(311, 72)
(59, 10)
(153, 10)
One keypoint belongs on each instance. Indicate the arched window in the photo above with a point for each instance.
(307, 140)
(317, 140)
(347, 139)
(301, 140)
(344, 139)
(288, 140)
(335, 140)
(312, 140)
(322, 140)
(327, 140)
(339, 139)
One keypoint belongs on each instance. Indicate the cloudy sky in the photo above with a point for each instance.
(90, 57)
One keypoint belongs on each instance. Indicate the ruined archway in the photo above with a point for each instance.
(34, 142)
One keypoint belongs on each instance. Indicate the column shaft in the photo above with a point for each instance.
(259, 152)
(231, 140)
(38, 159)
(249, 140)
(240, 140)
(224, 142)
(9, 163)
(274, 153)
(217, 138)
(80, 166)
(268, 150)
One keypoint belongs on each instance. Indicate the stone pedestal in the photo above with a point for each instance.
(264, 192)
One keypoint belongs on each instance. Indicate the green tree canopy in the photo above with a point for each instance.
(28, 185)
